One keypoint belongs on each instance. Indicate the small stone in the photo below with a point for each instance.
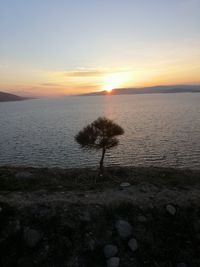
(31, 237)
(124, 185)
(133, 244)
(124, 229)
(171, 209)
(142, 219)
(113, 262)
(110, 251)
(23, 175)
(181, 264)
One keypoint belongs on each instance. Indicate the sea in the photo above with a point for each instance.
(160, 130)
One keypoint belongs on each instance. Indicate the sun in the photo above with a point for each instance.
(108, 88)
(115, 80)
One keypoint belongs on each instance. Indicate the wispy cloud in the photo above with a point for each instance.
(85, 73)
(90, 73)
(51, 84)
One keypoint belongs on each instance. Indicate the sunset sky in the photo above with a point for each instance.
(62, 47)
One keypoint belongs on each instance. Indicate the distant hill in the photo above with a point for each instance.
(150, 90)
(10, 97)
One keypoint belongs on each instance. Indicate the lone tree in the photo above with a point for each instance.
(100, 134)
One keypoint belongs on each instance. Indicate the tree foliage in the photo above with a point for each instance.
(100, 134)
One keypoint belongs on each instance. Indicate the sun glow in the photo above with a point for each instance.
(108, 88)
(115, 80)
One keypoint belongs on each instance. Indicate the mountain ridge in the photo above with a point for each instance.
(7, 97)
(149, 90)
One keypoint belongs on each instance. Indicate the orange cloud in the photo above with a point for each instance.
(84, 73)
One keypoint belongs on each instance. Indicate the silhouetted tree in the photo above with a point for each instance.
(100, 134)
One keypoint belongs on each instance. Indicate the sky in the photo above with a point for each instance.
(64, 47)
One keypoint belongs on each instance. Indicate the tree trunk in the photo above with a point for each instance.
(101, 162)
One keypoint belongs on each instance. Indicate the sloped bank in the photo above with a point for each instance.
(140, 223)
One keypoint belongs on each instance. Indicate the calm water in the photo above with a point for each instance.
(160, 130)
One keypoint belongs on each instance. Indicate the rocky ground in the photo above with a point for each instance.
(130, 217)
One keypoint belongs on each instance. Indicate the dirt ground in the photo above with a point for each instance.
(59, 218)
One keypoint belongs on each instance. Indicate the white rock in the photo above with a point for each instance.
(23, 175)
(133, 244)
(171, 209)
(113, 262)
(110, 251)
(31, 237)
(124, 229)
(124, 185)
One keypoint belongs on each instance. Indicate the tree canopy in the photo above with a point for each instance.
(100, 134)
